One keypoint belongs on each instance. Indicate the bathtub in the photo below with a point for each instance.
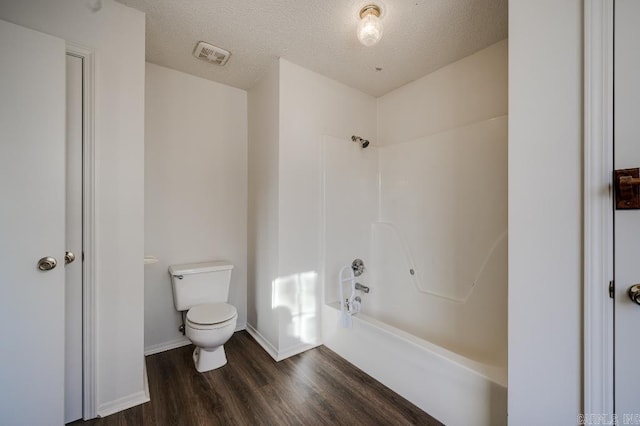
(452, 388)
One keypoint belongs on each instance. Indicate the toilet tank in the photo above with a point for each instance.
(198, 283)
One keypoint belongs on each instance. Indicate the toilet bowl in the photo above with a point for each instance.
(201, 290)
(209, 326)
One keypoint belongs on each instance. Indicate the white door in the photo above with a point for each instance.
(627, 222)
(32, 226)
(73, 270)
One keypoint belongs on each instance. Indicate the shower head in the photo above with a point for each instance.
(363, 142)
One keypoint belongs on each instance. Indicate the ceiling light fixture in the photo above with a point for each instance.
(370, 27)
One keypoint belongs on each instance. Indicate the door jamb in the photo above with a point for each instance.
(598, 361)
(89, 329)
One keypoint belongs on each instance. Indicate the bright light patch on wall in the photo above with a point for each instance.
(294, 297)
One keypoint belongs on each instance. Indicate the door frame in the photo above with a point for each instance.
(598, 357)
(88, 256)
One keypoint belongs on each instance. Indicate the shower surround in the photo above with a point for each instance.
(425, 207)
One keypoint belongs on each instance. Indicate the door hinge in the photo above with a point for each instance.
(611, 289)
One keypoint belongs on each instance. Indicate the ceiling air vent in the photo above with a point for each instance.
(210, 53)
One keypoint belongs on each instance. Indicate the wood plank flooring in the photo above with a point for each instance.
(316, 387)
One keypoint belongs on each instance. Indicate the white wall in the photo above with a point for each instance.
(309, 106)
(262, 218)
(545, 144)
(195, 190)
(464, 92)
(116, 34)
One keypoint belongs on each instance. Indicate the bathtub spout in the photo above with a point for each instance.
(364, 288)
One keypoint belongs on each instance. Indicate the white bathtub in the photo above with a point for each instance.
(454, 389)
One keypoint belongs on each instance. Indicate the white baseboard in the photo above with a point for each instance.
(123, 403)
(178, 343)
(129, 401)
(266, 345)
(146, 380)
(272, 351)
(165, 346)
(295, 350)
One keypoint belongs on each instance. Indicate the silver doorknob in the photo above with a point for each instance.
(634, 293)
(47, 263)
(69, 257)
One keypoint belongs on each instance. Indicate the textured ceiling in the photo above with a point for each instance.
(420, 36)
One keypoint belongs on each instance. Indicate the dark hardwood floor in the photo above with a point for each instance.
(313, 388)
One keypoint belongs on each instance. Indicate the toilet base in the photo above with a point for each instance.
(206, 360)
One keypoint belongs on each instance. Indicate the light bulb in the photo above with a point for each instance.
(370, 27)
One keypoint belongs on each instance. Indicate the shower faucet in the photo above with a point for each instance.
(364, 288)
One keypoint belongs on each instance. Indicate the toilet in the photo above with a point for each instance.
(202, 290)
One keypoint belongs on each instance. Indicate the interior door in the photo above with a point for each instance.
(32, 226)
(627, 222)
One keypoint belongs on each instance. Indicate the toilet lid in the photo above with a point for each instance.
(211, 313)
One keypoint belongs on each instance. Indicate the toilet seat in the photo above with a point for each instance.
(211, 315)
